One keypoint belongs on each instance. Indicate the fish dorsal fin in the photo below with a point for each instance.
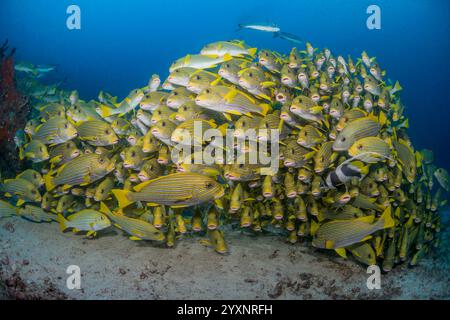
(368, 219)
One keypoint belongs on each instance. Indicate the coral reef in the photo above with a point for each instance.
(14, 109)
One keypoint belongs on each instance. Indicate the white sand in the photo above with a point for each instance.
(34, 259)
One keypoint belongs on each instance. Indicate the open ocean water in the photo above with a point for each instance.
(122, 43)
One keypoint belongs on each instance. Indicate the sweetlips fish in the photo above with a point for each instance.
(175, 190)
(233, 48)
(136, 228)
(230, 101)
(342, 233)
(199, 61)
(82, 170)
(88, 220)
(55, 131)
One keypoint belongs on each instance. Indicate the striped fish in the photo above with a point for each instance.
(230, 101)
(97, 133)
(137, 229)
(407, 159)
(23, 189)
(64, 152)
(55, 131)
(35, 150)
(82, 170)
(36, 214)
(324, 157)
(309, 137)
(6, 209)
(33, 176)
(176, 190)
(370, 150)
(364, 202)
(355, 130)
(84, 220)
(349, 116)
(295, 155)
(342, 233)
(272, 121)
(180, 77)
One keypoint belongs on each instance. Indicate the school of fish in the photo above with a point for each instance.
(349, 178)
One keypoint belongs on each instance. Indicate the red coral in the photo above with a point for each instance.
(13, 110)
(11, 102)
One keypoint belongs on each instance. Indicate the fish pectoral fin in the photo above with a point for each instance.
(205, 242)
(20, 202)
(183, 199)
(341, 252)
(90, 233)
(135, 238)
(227, 116)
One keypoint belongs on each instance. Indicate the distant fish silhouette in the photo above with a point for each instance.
(288, 36)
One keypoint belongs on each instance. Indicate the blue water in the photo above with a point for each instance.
(122, 43)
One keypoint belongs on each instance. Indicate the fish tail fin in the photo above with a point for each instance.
(62, 222)
(386, 218)
(104, 209)
(122, 197)
(252, 52)
(265, 108)
(227, 57)
(106, 112)
(49, 182)
(223, 128)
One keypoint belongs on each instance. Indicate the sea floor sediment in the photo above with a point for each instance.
(34, 259)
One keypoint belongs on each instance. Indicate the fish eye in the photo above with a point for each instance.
(241, 165)
(243, 123)
(306, 133)
(41, 149)
(185, 108)
(343, 139)
(175, 93)
(198, 77)
(250, 74)
(360, 147)
(266, 54)
(133, 154)
(163, 123)
(227, 65)
(66, 126)
(102, 191)
(101, 160)
(208, 91)
(107, 131)
(35, 175)
(266, 125)
(208, 185)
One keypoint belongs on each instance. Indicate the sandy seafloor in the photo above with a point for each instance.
(34, 259)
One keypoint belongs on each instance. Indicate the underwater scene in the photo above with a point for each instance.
(239, 150)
